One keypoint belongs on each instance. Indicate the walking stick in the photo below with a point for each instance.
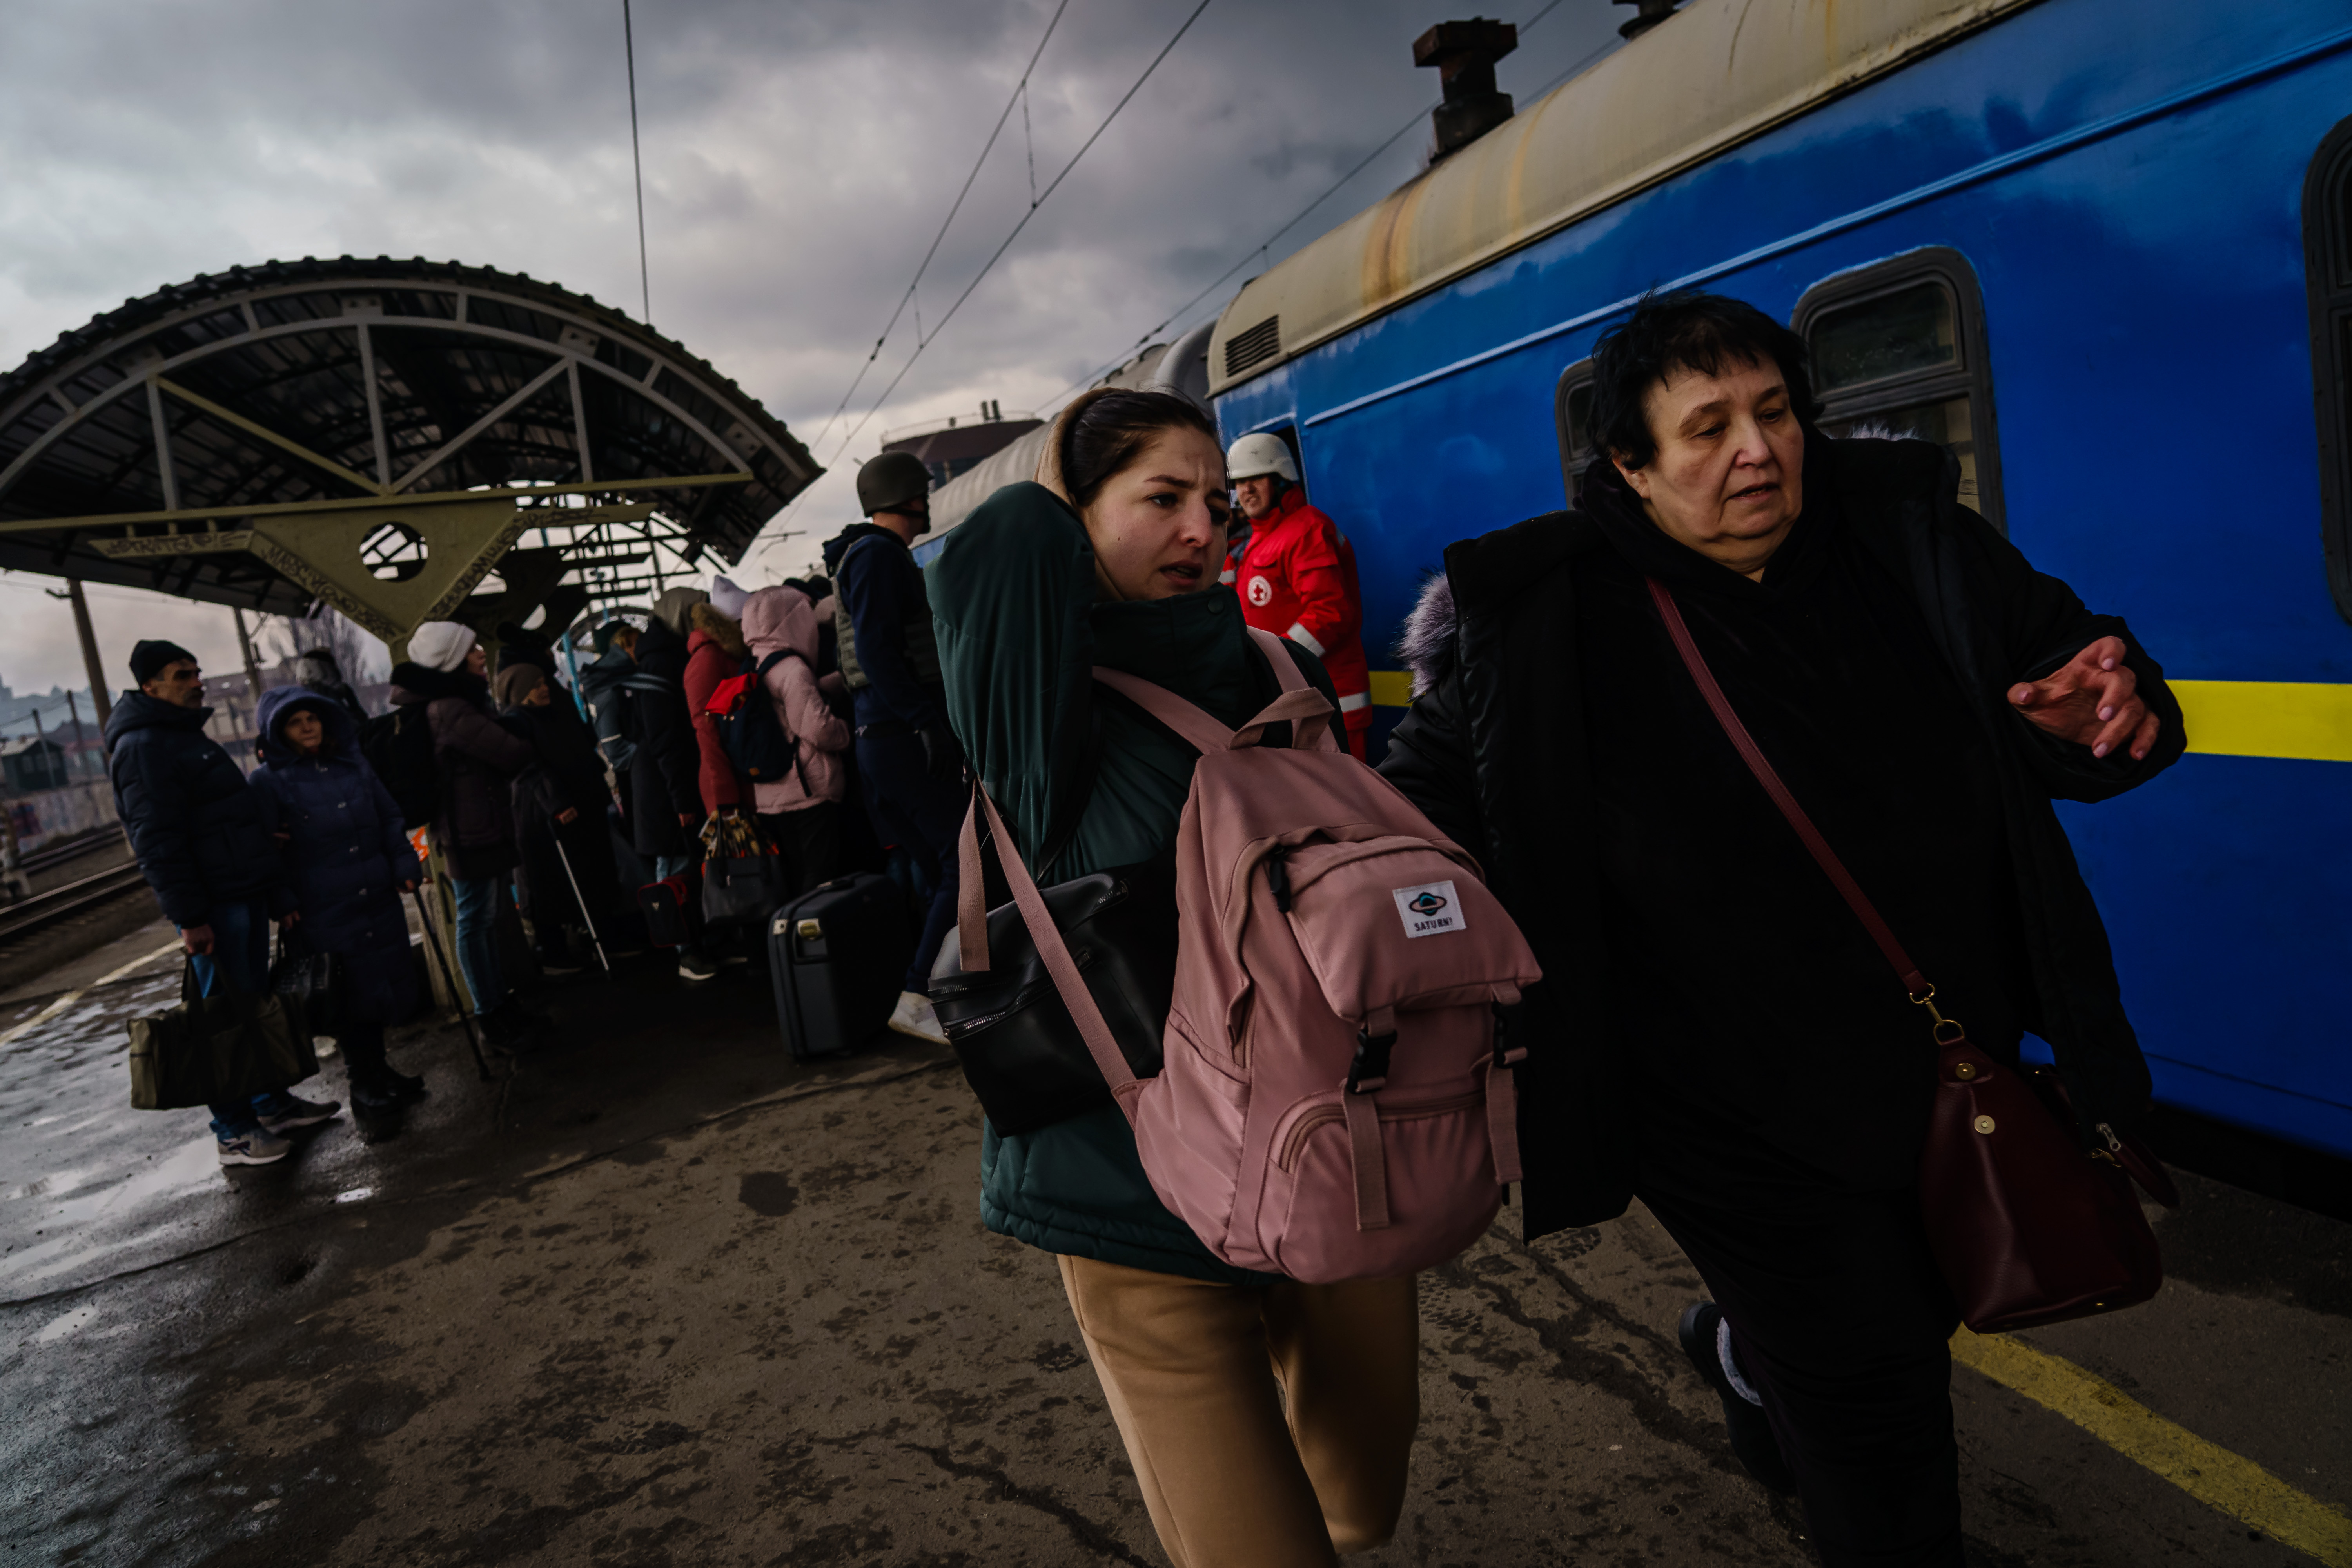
(480, 1062)
(572, 877)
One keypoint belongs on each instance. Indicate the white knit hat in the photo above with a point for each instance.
(727, 598)
(441, 644)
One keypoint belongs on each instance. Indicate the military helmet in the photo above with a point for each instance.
(891, 480)
(1259, 454)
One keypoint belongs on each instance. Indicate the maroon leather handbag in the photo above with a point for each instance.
(2027, 1226)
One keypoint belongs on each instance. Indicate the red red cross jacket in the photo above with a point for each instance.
(1297, 579)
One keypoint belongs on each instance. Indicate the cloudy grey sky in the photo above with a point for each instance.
(799, 156)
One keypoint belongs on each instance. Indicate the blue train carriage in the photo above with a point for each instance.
(2101, 249)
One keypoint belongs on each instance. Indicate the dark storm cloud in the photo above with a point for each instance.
(798, 157)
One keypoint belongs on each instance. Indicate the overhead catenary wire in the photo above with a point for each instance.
(1300, 216)
(998, 255)
(1043, 196)
(637, 160)
(1020, 95)
(1418, 118)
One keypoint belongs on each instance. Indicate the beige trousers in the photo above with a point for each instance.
(1270, 1426)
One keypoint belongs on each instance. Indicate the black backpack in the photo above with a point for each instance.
(753, 732)
(399, 746)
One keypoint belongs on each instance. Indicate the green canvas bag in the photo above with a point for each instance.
(207, 1050)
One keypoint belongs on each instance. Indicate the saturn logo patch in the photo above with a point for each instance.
(1429, 908)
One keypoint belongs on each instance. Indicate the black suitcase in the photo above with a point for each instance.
(838, 957)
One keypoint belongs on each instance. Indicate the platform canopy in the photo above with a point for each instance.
(382, 435)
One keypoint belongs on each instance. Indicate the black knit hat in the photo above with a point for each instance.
(149, 660)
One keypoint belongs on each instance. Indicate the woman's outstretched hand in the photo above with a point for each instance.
(2093, 700)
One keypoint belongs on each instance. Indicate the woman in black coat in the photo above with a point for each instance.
(665, 795)
(1716, 1033)
(348, 862)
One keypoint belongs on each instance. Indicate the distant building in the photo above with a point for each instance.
(958, 445)
(32, 762)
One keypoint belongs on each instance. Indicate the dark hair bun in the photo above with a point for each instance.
(1109, 429)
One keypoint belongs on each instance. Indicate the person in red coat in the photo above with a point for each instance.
(1297, 574)
(714, 650)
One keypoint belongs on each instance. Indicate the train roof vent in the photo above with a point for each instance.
(1254, 346)
(1463, 54)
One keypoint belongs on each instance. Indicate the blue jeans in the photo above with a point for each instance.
(241, 949)
(477, 939)
(670, 865)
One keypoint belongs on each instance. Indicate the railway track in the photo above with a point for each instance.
(42, 909)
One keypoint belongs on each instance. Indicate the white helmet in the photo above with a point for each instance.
(1254, 456)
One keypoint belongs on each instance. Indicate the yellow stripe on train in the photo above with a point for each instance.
(2308, 720)
(2304, 719)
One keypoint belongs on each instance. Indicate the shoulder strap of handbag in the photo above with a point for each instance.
(1753, 755)
(972, 938)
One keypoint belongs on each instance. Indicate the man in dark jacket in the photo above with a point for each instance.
(203, 838)
(1716, 1032)
(907, 758)
(665, 766)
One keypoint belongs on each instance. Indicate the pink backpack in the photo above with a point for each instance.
(1336, 1103)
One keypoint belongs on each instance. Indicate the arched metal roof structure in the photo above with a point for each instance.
(379, 435)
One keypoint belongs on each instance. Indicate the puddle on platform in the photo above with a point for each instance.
(54, 1185)
(72, 1323)
(192, 1166)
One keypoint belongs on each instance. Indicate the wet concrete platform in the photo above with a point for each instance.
(664, 1298)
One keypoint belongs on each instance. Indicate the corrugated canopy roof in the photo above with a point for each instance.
(364, 382)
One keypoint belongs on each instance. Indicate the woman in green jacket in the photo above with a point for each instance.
(1269, 1422)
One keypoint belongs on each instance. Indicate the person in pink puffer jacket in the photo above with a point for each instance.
(800, 812)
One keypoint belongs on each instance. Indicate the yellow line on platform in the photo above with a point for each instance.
(2212, 1475)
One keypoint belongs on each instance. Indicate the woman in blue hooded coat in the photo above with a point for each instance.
(350, 862)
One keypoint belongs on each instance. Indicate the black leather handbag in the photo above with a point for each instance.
(1020, 1050)
(743, 878)
(310, 984)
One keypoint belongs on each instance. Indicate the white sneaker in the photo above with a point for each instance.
(913, 1016)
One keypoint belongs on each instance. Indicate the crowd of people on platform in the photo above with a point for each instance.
(1715, 1034)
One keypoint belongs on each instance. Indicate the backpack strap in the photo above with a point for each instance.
(1314, 734)
(1192, 726)
(1307, 709)
(1285, 668)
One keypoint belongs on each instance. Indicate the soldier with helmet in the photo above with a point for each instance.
(1297, 573)
(906, 754)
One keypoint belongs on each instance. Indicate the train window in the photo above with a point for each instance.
(1894, 334)
(2327, 272)
(1572, 406)
(1898, 348)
